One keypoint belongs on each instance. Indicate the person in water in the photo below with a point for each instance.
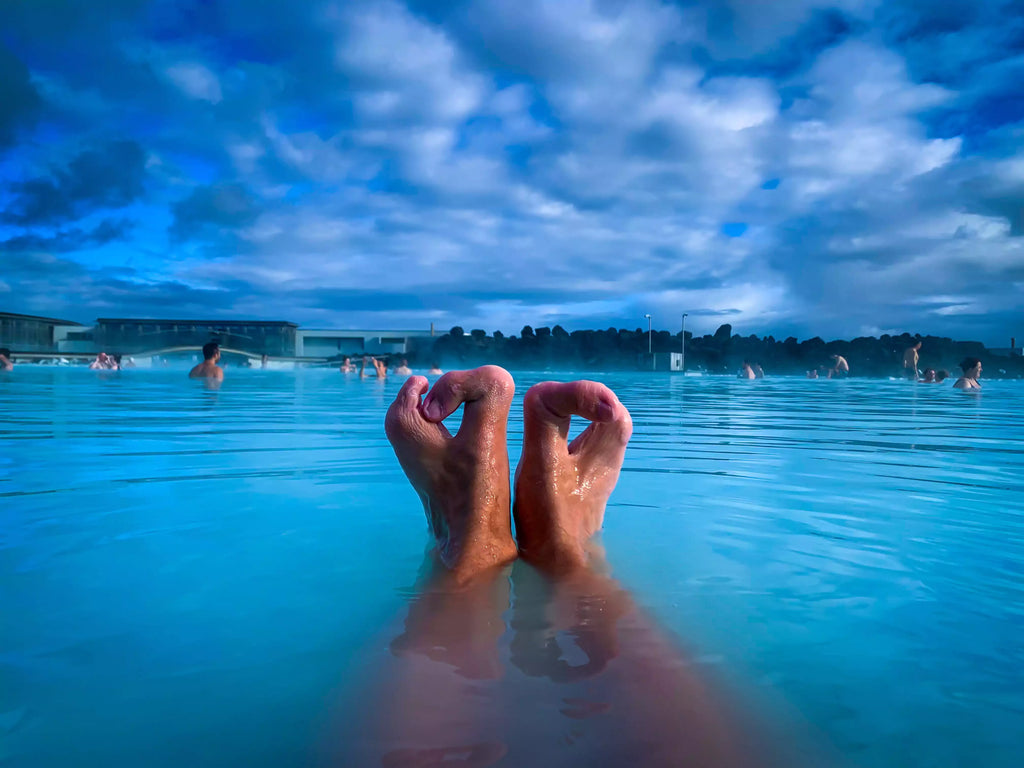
(103, 362)
(931, 376)
(440, 707)
(5, 360)
(746, 372)
(403, 368)
(435, 370)
(380, 368)
(208, 369)
(346, 365)
(758, 370)
(840, 368)
(910, 360)
(971, 367)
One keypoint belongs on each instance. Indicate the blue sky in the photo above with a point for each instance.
(794, 167)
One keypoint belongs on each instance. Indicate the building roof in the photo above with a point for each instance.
(37, 318)
(193, 321)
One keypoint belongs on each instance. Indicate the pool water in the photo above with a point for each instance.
(201, 577)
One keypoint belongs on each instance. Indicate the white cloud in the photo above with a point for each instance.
(195, 80)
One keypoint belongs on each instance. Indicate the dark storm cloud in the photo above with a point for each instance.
(19, 101)
(213, 209)
(73, 239)
(110, 176)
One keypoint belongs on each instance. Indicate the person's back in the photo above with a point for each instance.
(840, 369)
(746, 372)
(208, 369)
(5, 360)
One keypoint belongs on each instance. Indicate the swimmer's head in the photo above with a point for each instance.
(928, 375)
(971, 366)
(211, 351)
(941, 375)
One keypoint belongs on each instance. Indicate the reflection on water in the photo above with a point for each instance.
(210, 577)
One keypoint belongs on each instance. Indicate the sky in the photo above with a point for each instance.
(797, 167)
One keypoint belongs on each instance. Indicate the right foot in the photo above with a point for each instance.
(561, 489)
(463, 481)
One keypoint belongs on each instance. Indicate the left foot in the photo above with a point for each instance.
(463, 481)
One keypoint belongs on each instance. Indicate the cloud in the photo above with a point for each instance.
(807, 167)
(212, 209)
(19, 100)
(196, 81)
(69, 240)
(108, 177)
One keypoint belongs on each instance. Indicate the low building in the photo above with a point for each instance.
(31, 333)
(332, 343)
(133, 336)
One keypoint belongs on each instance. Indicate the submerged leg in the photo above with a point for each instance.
(644, 700)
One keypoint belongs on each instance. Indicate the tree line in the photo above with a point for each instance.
(719, 353)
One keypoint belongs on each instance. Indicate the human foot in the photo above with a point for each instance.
(463, 481)
(561, 489)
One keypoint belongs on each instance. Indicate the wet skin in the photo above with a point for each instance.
(448, 702)
(462, 480)
(562, 488)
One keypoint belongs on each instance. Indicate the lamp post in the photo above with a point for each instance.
(682, 340)
(650, 348)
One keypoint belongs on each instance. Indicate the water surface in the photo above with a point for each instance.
(195, 576)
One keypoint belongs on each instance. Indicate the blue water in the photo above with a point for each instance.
(198, 577)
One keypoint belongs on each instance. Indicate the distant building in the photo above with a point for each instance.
(132, 336)
(1011, 351)
(31, 333)
(138, 336)
(331, 343)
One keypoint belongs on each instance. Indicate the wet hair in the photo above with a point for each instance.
(968, 363)
(117, 359)
(941, 375)
(5, 352)
(210, 349)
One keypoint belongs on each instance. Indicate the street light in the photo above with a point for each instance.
(649, 348)
(682, 362)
